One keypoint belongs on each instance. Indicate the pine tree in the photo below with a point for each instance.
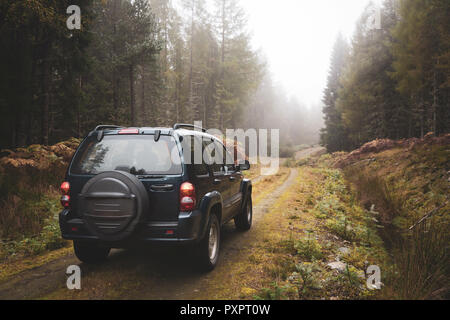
(240, 71)
(43, 58)
(421, 59)
(334, 136)
(369, 104)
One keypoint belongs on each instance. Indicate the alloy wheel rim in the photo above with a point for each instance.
(213, 241)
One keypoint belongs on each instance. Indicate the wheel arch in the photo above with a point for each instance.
(246, 189)
(212, 202)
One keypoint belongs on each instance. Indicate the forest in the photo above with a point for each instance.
(392, 82)
(135, 63)
(159, 62)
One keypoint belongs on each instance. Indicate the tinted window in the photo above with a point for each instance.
(189, 154)
(139, 155)
(214, 151)
(228, 160)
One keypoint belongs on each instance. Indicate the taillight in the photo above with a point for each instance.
(65, 187)
(129, 131)
(187, 197)
(65, 198)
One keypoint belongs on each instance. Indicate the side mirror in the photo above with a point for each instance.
(244, 166)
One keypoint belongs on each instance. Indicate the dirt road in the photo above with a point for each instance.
(150, 273)
(309, 152)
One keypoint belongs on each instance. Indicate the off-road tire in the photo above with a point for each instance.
(243, 221)
(208, 260)
(90, 253)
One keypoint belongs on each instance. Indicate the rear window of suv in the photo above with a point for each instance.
(138, 155)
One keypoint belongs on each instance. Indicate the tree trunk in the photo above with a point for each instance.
(46, 102)
(131, 74)
(177, 98)
(21, 130)
(223, 34)
(14, 133)
(115, 80)
(29, 130)
(422, 116)
(191, 57)
(222, 67)
(435, 101)
(143, 112)
(79, 112)
(166, 39)
(115, 95)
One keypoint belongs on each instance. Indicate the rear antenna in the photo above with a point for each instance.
(157, 135)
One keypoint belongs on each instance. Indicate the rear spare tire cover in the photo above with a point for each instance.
(112, 204)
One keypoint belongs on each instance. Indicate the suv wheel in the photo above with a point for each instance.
(209, 248)
(244, 220)
(90, 252)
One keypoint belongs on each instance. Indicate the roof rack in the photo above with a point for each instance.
(188, 126)
(104, 127)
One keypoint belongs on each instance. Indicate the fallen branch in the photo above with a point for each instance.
(429, 214)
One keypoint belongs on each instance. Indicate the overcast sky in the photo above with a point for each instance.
(297, 36)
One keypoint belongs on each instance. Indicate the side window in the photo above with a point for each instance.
(228, 161)
(216, 164)
(189, 153)
(201, 169)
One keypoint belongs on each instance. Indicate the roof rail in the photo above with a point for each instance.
(188, 126)
(104, 127)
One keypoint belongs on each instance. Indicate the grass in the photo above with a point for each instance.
(10, 268)
(47, 236)
(297, 251)
(421, 266)
(404, 186)
(12, 252)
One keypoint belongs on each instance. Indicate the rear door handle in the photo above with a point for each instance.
(217, 181)
(232, 178)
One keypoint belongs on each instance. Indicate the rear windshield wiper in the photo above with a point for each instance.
(148, 176)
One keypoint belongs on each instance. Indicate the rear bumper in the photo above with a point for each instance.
(188, 229)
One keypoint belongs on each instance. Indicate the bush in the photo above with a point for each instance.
(274, 293)
(345, 228)
(48, 239)
(309, 248)
(306, 279)
(29, 198)
(29, 180)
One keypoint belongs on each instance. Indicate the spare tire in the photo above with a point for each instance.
(112, 204)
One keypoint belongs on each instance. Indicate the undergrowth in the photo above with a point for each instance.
(29, 198)
(330, 219)
(406, 186)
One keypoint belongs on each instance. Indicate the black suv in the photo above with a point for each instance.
(131, 185)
